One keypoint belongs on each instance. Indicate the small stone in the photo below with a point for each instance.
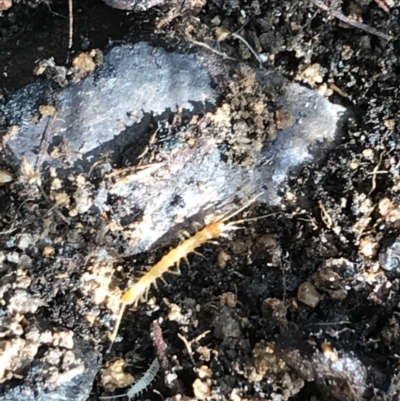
(64, 339)
(228, 298)
(223, 259)
(308, 294)
(201, 389)
(329, 352)
(5, 4)
(283, 119)
(204, 372)
(24, 241)
(390, 124)
(5, 176)
(368, 246)
(112, 376)
(84, 62)
(48, 251)
(23, 302)
(327, 278)
(368, 153)
(175, 313)
(354, 164)
(389, 257)
(83, 202)
(226, 324)
(276, 309)
(389, 211)
(13, 257)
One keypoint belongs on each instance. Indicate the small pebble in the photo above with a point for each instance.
(368, 153)
(389, 257)
(368, 246)
(201, 389)
(223, 259)
(308, 294)
(354, 164)
(5, 177)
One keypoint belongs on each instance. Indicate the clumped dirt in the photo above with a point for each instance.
(301, 305)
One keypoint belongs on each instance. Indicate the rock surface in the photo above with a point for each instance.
(105, 119)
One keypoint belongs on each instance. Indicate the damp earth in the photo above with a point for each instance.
(162, 117)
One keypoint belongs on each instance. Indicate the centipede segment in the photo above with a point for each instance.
(139, 291)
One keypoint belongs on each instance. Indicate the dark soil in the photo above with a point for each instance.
(334, 236)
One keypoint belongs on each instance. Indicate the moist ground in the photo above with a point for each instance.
(334, 235)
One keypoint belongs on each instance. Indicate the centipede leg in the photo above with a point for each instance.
(176, 272)
(183, 235)
(199, 254)
(196, 226)
(225, 235)
(145, 295)
(187, 262)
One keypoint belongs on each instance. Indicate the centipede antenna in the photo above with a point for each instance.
(116, 327)
(253, 219)
(187, 262)
(252, 200)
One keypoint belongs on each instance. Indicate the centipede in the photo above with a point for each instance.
(140, 290)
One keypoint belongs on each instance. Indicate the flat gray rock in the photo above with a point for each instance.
(109, 112)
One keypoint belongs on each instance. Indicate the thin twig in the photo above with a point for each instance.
(71, 23)
(349, 21)
(188, 348)
(53, 12)
(375, 171)
(208, 47)
(243, 40)
(70, 27)
(188, 344)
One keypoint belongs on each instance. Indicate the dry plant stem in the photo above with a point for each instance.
(140, 290)
(208, 47)
(188, 344)
(375, 171)
(170, 378)
(70, 27)
(247, 44)
(337, 14)
(188, 348)
(71, 23)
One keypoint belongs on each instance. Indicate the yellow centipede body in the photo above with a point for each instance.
(140, 290)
